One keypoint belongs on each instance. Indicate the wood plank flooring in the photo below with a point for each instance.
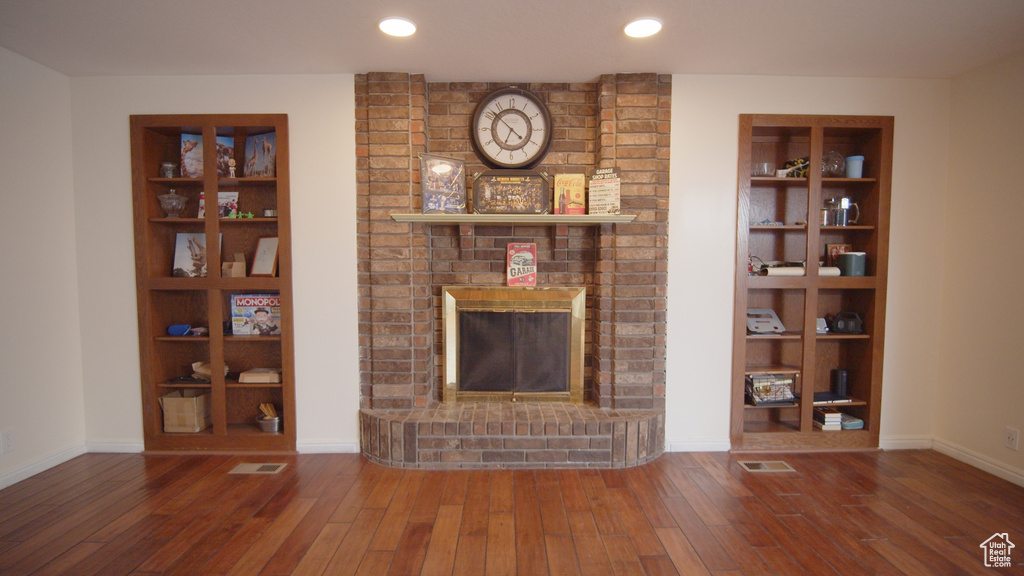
(912, 512)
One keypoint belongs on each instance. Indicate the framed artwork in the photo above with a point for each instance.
(832, 252)
(442, 184)
(260, 156)
(189, 255)
(264, 263)
(511, 192)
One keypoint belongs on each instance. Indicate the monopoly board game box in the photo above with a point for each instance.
(256, 314)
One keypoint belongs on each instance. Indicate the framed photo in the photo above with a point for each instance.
(191, 155)
(832, 252)
(512, 192)
(260, 156)
(264, 263)
(190, 255)
(443, 184)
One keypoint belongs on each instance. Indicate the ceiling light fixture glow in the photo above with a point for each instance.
(397, 26)
(643, 27)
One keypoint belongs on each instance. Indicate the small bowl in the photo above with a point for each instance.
(269, 424)
(172, 203)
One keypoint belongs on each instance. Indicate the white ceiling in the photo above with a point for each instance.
(521, 40)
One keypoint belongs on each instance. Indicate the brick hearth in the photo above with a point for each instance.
(512, 435)
(622, 121)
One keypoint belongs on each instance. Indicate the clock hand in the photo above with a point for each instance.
(511, 130)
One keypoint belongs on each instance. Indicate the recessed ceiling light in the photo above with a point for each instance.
(397, 26)
(643, 27)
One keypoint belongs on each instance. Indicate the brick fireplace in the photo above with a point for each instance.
(622, 120)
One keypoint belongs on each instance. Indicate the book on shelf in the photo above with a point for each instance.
(827, 415)
(849, 422)
(827, 427)
(830, 398)
(825, 398)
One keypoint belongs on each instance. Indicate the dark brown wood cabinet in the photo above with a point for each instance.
(780, 224)
(204, 301)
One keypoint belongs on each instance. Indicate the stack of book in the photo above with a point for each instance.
(828, 418)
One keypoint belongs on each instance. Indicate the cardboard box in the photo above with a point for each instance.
(186, 411)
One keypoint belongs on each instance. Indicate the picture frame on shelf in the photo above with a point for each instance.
(190, 255)
(225, 153)
(191, 155)
(264, 262)
(260, 156)
(442, 185)
(512, 192)
(227, 204)
(832, 252)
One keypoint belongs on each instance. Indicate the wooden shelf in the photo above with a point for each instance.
(800, 300)
(783, 336)
(779, 228)
(164, 300)
(546, 219)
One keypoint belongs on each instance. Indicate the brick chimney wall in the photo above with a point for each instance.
(622, 121)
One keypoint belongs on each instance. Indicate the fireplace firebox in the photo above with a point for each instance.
(513, 344)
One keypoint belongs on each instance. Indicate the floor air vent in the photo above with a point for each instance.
(257, 468)
(766, 466)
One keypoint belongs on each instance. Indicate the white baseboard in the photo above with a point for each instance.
(327, 447)
(905, 442)
(41, 465)
(115, 446)
(698, 445)
(980, 461)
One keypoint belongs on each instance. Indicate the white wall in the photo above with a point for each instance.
(980, 384)
(91, 391)
(41, 380)
(321, 123)
(702, 241)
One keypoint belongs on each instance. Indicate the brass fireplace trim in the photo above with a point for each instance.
(508, 298)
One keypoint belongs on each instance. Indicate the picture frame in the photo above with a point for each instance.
(260, 156)
(442, 185)
(832, 252)
(512, 192)
(190, 255)
(264, 262)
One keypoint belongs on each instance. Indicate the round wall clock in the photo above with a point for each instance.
(511, 129)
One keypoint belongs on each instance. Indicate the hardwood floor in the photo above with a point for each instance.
(902, 512)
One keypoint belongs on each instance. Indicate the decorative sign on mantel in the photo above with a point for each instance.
(604, 191)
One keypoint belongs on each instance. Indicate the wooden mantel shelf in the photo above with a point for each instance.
(546, 219)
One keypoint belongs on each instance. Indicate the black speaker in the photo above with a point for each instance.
(839, 377)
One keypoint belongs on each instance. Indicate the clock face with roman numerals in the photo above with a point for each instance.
(511, 129)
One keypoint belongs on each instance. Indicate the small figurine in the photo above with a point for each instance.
(231, 167)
